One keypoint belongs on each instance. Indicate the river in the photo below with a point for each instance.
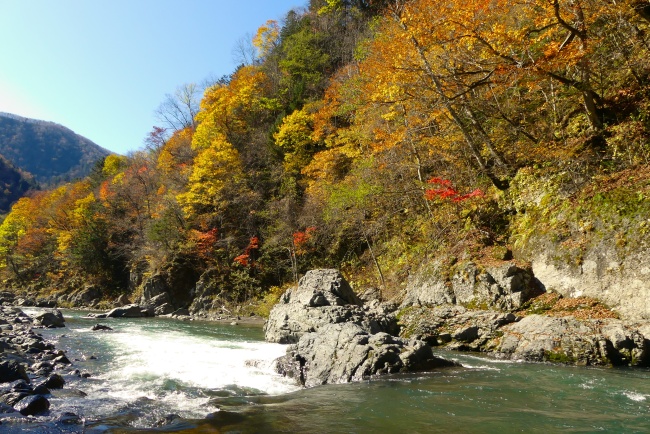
(220, 378)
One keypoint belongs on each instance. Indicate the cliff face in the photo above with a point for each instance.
(621, 282)
(590, 241)
(579, 238)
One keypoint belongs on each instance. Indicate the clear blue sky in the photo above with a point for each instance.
(102, 67)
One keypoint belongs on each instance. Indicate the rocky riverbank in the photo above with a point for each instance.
(506, 311)
(336, 337)
(32, 371)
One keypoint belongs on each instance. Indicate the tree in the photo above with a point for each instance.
(178, 110)
(294, 136)
(215, 177)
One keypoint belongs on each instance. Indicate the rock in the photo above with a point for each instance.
(322, 288)
(44, 365)
(452, 325)
(608, 342)
(68, 418)
(12, 398)
(54, 381)
(32, 405)
(6, 408)
(178, 280)
(10, 370)
(504, 287)
(369, 295)
(167, 420)
(53, 318)
(181, 312)
(62, 360)
(27, 302)
(20, 386)
(41, 389)
(122, 300)
(340, 353)
(155, 302)
(163, 309)
(97, 327)
(87, 296)
(322, 297)
(45, 302)
(129, 311)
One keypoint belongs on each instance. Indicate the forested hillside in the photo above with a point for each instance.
(367, 136)
(14, 184)
(50, 152)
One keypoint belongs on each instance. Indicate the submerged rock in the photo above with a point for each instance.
(340, 353)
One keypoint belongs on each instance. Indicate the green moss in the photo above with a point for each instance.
(559, 357)
(477, 304)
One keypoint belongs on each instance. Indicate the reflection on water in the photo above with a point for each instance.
(149, 368)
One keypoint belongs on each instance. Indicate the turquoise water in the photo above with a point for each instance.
(148, 368)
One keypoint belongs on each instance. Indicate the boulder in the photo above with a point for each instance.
(45, 302)
(152, 287)
(11, 370)
(32, 405)
(50, 319)
(163, 309)
(155, 302)
(128, 311)
(27, 302)
(178, 280)
(54, 381)
(87, 296)
(6, 408)
(12, 398)
(322, 297)
(341, 353)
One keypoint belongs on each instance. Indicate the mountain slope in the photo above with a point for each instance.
(51, 152)
(13, 185)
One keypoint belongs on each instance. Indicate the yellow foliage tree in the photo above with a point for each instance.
(215, 176)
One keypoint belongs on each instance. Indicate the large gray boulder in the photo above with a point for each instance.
(50, 319)
(321, 297)
(341, 353)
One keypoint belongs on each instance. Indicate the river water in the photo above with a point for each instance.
(220, 378)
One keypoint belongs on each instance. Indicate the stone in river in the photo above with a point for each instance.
(33, 404)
